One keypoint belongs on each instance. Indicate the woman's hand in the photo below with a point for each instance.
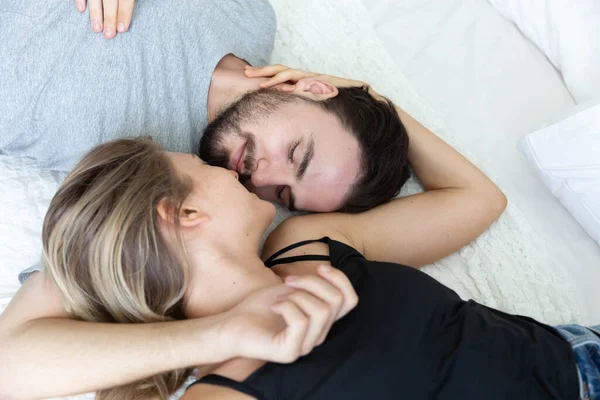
(110, 16)
(287, 77)
(284, 322)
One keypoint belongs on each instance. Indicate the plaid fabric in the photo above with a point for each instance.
(586, 346)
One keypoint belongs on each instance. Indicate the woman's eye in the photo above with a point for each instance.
(292, 151)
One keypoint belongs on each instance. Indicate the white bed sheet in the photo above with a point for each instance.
(491, 87)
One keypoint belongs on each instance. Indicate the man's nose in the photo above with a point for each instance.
(270, 173)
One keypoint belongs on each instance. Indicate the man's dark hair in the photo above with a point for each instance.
(383, 143)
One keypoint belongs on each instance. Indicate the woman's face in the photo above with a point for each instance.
(217, 192)
(236, 217)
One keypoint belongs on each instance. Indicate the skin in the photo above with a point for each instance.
(108, 16)
(458, 204)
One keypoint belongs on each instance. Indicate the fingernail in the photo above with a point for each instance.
(291, 279)
(324, 269)
(96, 26)
(80, 6)
(121, 27)
(108, 32)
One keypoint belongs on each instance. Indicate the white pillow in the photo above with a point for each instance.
(568, 33)
(567, 157)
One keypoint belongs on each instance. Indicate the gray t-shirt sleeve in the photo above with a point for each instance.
(23, 275)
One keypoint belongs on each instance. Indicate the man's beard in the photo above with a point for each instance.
(214, 152)
(212, 149)
(252, 106)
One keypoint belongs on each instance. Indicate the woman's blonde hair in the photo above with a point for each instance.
(104, 250)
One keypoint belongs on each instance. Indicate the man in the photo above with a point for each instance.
(168, 74)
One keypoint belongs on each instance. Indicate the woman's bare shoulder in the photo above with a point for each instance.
(305, 227)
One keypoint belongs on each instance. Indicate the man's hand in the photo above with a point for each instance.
(108, 16)
(284, 322)
(285, 77)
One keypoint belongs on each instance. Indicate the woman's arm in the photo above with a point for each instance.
(67, 357)
(458, 204)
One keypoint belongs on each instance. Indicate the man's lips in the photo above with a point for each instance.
(237, 161)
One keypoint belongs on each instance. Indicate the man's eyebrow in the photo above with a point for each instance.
(307, 158)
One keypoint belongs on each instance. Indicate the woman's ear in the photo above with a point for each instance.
(189, 215)
(315, 89)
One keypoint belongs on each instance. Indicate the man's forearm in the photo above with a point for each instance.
(56, 357)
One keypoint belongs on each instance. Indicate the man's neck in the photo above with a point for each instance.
(228, 84)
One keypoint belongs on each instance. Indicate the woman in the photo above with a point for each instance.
(417, 337)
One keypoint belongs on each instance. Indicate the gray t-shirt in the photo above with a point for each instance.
(65, 89)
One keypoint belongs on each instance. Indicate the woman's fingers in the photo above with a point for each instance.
(335, 289)
(108, 16)
(96, 15)
(343, 284)
(332, 287)
(291, 340)
(110, 11)
(267, 70)
(278, 74)
(80, 4)
(320, 318)
(124, 15)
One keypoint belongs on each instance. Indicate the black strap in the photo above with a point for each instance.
(219, 380)
(271, 262)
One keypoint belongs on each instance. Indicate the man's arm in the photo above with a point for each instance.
(459, 203)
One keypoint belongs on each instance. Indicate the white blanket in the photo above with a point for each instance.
(508, 267)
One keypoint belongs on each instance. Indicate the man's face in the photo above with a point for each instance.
(297, 154)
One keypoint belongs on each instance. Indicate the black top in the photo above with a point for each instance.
(411, 337)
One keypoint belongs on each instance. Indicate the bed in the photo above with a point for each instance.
(467, 74)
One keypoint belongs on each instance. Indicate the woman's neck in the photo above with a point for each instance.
(223, 276)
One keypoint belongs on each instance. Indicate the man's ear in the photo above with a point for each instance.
(189, 215)
(315, 89)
